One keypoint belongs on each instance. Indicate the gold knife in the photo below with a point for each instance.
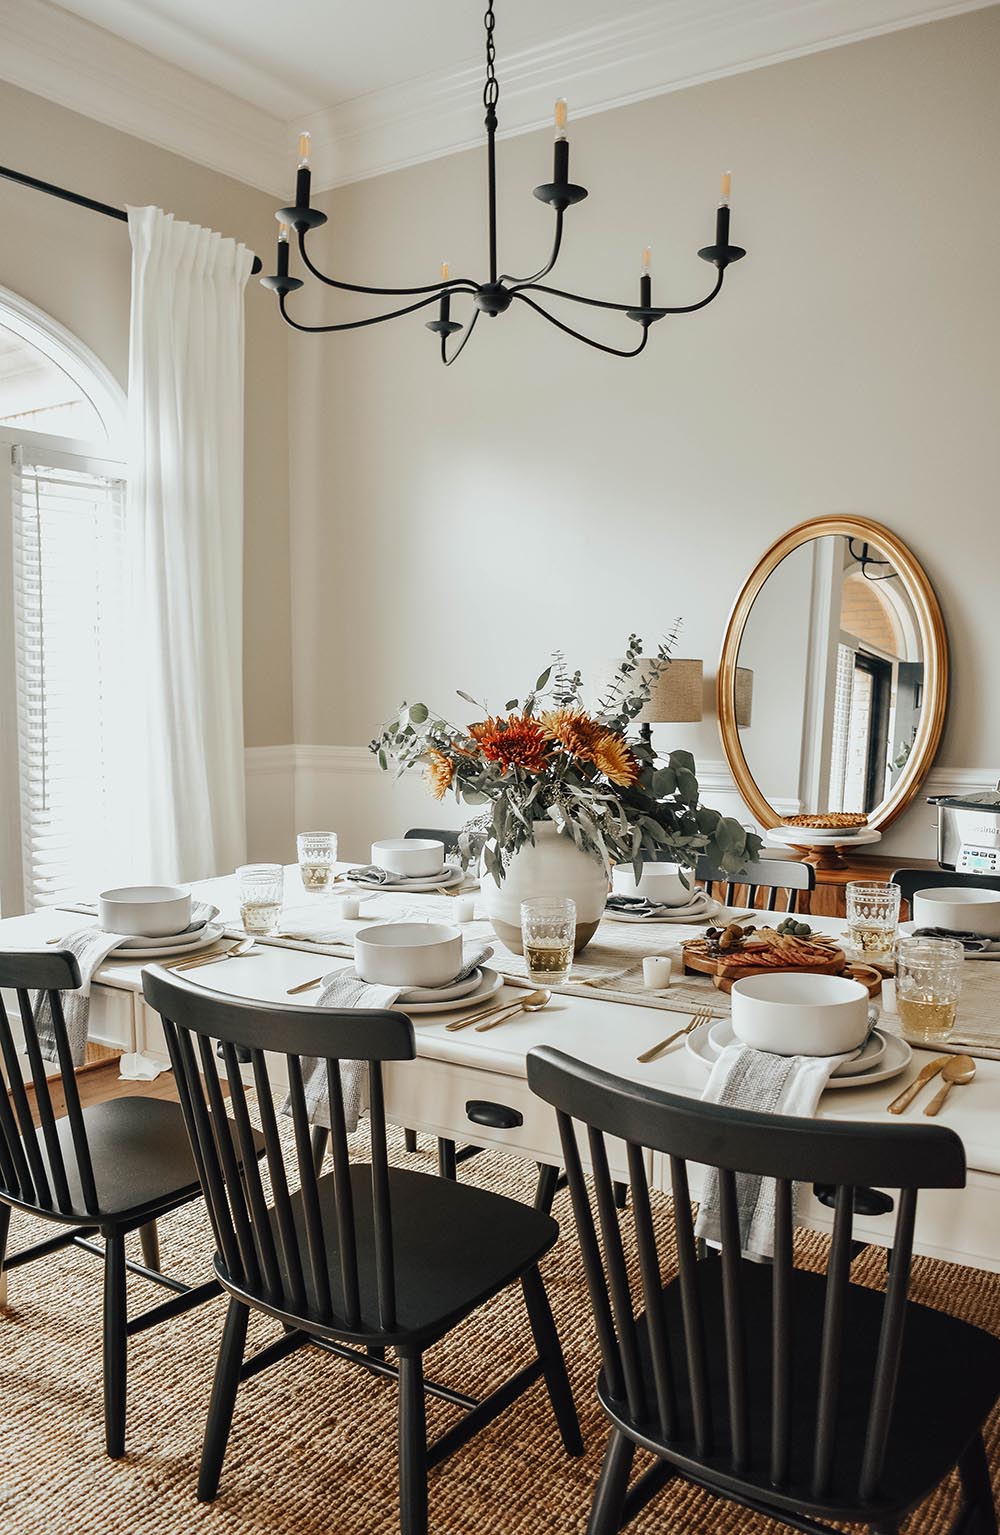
(923, 1076)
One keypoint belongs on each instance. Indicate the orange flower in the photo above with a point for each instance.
(574, 730)
(613, 758)
(515, 742)
(440, 773)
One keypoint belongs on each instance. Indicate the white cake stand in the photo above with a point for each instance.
(823, 849)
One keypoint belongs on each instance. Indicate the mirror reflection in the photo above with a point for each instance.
(830, 678)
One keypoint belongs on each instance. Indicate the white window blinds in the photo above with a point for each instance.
(68, 530)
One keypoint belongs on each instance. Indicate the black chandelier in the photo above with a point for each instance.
(502, 289)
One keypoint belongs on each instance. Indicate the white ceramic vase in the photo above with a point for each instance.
(553, 866)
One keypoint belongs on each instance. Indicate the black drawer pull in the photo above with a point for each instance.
(497, 1115)
(866, 1201)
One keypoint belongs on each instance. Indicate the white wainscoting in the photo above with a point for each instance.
(292, 788)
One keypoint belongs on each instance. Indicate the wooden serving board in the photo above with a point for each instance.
(725, 970)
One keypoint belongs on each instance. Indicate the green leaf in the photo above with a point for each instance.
(510, 704)
(419, 713)
(682, 759)
(543, 680)
(469, 700)
(383, 761)
(664, 782)
(687, 786)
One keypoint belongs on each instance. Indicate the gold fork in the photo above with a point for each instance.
(701, 1015)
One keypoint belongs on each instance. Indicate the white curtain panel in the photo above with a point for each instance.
(185, 503)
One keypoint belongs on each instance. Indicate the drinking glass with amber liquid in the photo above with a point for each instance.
(317, 859)
(548, 933)
(872, 917)
(928, 986)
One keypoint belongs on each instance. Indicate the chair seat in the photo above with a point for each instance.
(454, 1247)
(141, 1159)
(948, 1382)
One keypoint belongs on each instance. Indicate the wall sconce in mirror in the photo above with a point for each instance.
(743, 702)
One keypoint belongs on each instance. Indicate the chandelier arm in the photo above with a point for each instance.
(599, 346)
(456, 354)
(453, 285)
(521, 282)
(372, 319)
(600, 303)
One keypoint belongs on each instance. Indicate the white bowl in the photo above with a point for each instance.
(789, 1014)
(414, 857)
(958, 909)
(145, 911)
(659, 882)
(409, 953)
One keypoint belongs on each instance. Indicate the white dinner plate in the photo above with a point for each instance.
(455, 992)
(907, 929)
(190, 945)
(705, 1048)
(451, 876)
(694, 911)
(862, 1060)
(491, 984)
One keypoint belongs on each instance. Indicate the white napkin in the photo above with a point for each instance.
(92, 945)
(701, 904)
(345, 989)
(745, 1078)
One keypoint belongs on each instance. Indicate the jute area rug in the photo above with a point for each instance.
(312, 1448)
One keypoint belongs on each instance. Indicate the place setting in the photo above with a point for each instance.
(423, 967)
(659, 894)
(413, 865)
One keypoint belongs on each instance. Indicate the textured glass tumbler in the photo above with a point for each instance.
(261, 887)
(548, 934)
(317, 856)
(872, 916)
(928, 986)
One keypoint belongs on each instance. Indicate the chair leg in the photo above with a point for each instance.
(320, 1141)
(412, 1446)
(974, 1470)
(545, 1189)
(115, 1345)
(150, 1239)
(220, 1409)
(612, 1486)
(446, 1160)
(554, 1365)
(410, 1140)
(4, 1233)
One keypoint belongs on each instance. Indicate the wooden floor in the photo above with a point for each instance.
(99, 1080)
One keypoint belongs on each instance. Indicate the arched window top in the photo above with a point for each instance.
(51, 383)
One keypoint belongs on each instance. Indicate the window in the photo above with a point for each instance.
(62, 646)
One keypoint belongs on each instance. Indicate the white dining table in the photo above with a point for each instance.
(454, 1069)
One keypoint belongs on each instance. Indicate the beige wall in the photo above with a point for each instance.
(75, 266)
(452, 527)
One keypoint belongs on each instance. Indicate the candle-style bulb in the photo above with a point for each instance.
(725, 189)
(647, 261)
(304, 146)
(445, 269)
(282, 234)
(562, 117)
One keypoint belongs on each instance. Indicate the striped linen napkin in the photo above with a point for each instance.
(745, 1078)
(345, 989)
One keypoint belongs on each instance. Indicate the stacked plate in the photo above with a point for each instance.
(699, 908)
(372, 878)
(884, 1055)
(476, 988)
(201, 933)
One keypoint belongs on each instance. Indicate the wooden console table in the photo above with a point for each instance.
(829, 900)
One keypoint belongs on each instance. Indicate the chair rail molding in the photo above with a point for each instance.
(343, 789)
(628, 58)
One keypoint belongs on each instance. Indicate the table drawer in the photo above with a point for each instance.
(437, 1096)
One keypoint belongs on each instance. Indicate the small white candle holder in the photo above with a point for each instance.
(657, 972)
(464, 907)
(350, 907)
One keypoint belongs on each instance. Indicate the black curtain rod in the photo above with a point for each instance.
(78, 198)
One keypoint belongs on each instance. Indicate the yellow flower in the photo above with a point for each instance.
(440, 772)
(612, 757)
(574, 730)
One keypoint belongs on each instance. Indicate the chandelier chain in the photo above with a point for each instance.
(491, 90)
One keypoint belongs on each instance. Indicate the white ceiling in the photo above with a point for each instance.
(386, 83)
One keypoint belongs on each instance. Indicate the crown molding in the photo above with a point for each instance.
(650, 52)
(58, 55)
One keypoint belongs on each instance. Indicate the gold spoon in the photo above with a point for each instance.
(487, 1012)
(243, 947)
(960, 1069)
(532, 1003)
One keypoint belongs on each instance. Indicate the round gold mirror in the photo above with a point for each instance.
(833, 678)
